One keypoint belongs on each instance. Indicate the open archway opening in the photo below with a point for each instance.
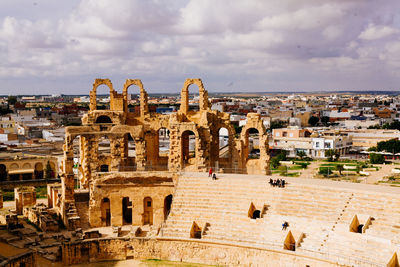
(27, 173)
(194, 98)
(103, 119)
(77, 168)
(188, 141)
(148, 211)
(39, 172)
(3, 173)
(126, 211)
(163, 147)
(105, 212)
(167, 206)
(103, 97)
(130, 146)
(253, 143)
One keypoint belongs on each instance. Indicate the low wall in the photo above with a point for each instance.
(26, 259)
(182, 250)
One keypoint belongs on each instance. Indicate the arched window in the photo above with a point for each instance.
(253, 143)
(188, 141)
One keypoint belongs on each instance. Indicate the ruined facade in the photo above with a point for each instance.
(193, 146)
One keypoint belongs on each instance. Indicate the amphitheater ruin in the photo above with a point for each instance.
(149, 204)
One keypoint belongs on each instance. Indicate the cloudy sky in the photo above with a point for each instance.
(50, 46)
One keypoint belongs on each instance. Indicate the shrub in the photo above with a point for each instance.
(376, 158)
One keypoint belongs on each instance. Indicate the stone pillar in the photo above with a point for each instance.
(85, 161)
(115, 147)
(116, 210)
(151, 141)
(140, 154)
(175, 155)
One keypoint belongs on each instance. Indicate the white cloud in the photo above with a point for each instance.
(374, 32)
(269, 44)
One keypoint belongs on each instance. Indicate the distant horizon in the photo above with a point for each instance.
(371, 92)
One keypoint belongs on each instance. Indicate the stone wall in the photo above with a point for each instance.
(24, 196)
(182, 250)
(26, 259)
(135, 186)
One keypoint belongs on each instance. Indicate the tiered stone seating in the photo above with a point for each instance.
(322, 214)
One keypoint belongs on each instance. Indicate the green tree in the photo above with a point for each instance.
(332, 155)
(277, 124)
(329, 154)
(301, 154)
(339, 168)
(313, 120)
(48, 171)
(376, 158)
(12, 100)
(275, 160)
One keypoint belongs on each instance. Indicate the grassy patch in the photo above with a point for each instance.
(41, 192)
(8, 195)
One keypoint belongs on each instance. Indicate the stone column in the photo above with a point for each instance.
(115, 147)
(140, 154)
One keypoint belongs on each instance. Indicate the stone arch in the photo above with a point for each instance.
(188, 154)
(167, 205)
(93, 93)
(144, 109)
(14, 166)
(26, 166)
(252, 147)
(39, 170)
(203, 96)
(103, 119)
(105, 208)
(126, 211)
(3, 173)
(148, 211)
(163, 141)
(222, 159)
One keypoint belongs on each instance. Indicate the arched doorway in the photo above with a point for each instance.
(188, 141)
(167, 206)
(163, 148)
(126, 211)
(253, 143)
(3, 173)
(102, 97)
(27, 174)
(39, 173)
(147, 211)
(105, 212)
(224, 156)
